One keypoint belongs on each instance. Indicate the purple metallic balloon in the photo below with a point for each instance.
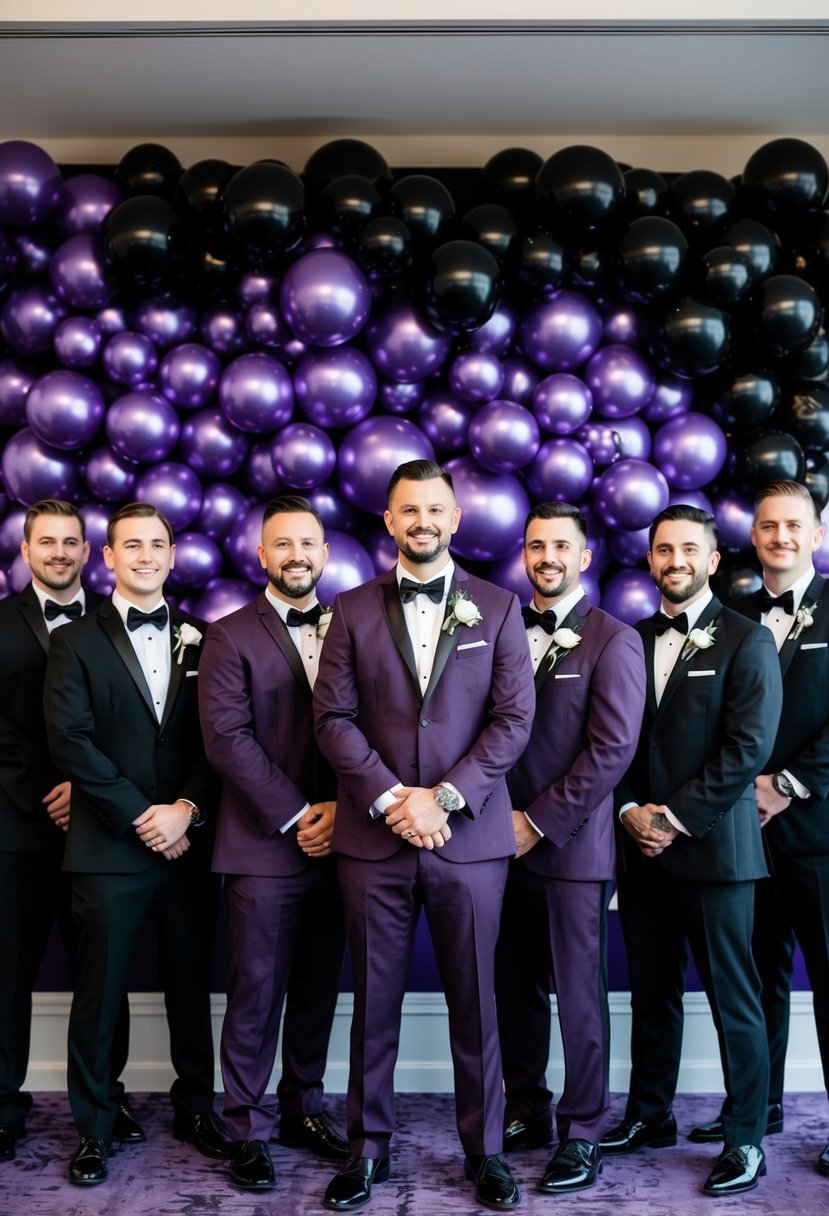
(334, 511)
(561, 471)
(349, 565)
(259, 476)
(16, 378)
(32, 252)
(380, 547)
(510, 574)
(628, 548)
(496, 335)
(97, 577)
(325, 298)
(671, 397)
(690, 450)
(266, 326)
(211, 446)
(11, 534)
(630, 595)
(602, 441)
(445, 419)
(109, 478)
(222, 596)
(503, 436)
(31, 470)
(8, 259)
(224, 330)
(111, 320)
(335, 388)
(198, 560)
(560, 334)
(65, 409)
(167, 320)
(130, 358)
(820, 557)
(303, 455)
(629, 494)
(174, 489)
(142, 427)
(29, 318)
(221, 507)
(403, 346)
(87, 200)
(634, 437)
(242, 542)
(691, 498)
(596, 541)
(19, 575)
(562, 403)
(5, 588)
(369, 454)
(254, 287)
(735, 516)
(400, 398)
(30, 185)
(78, 342)
(79, 273)
(95, 518)
(476, 376)
(189, 375)
(621, 381)
(622, 325)
(494, 507)
(256, 393)
(520, 381)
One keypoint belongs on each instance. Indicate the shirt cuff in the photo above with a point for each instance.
(674, 822)
(626, 807)
(199, 820)
(799, 787)
(535, 826)
(295, 819)
(455, 790)
(382, 804)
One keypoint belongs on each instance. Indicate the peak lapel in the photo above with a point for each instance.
(814, 594)
(576, 619)
(397, 624)
(446, 641)
(30, 609)
(177, 670)
(278, 630)
(681, 666)
(113, 627)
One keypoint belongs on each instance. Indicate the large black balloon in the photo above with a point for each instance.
(424, 205)
(699, 200)
(646, 193)
(509, 176)
(691, 338)
(341, 156)
(143, 242)
(148, 169)
(262, 206)
(652, 254)
(816, 480)
(788, 315)
(494, 227)
(766, 456)
(542, 265)
(805, 414)
(786, 176)
(737, 575)
(759, 244)
(746, 402)
(726, 275)
(383, 246)
(588, 267)
(463, 286)
(813, 363)
(348, 202)
(199, 197)
(580, 186)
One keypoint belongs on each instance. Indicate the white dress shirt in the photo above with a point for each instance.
(152, 649)
(539, 639)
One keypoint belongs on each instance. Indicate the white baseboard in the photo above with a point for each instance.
(424, 1064)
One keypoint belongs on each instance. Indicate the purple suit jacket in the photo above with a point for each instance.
(588, 713)
(255, 708)
(469, 727)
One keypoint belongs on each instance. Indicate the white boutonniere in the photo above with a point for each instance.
(699, 639)
(802, 620)
(564, 640)
(185, 635)
(461, 610)
(324, 621)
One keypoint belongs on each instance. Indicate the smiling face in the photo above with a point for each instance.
(141, 556)
(56, 553)
(785, 533)
(422, 517)
(682, 560)
(294, 554)
(554, 556)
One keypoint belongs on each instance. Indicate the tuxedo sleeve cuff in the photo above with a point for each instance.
(675, 823)
(382, 804)
(286, 827)
(536, 828)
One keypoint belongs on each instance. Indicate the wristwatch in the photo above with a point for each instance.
(196, 816)
(783, 786)
(446, 798)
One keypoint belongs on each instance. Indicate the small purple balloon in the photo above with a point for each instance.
(622, 325)
(690, 450)
(254, 287)
(494, 506)
(32, 470)
(29, 318)
(198, 560)
(109, 478)
(561, 471)
(634, 437)
(380, 547)
(174, 489)
(19, 575)
(111, 320)
(444, 419)
(629, 494)
(166, 320)
(97, 577)
(629, 548)
(671, 397)
(95, 518)
(256, 393)
(142, 427)
(130, 358)
(259, 475)
(496, 335)
(602, 441)
(222, 596)
(5, 589)
(476, 376)
(325, 298)
(503, 436)
(630, 595)
(735, 516)
(400, 398)
(520, 381)
(560, 334)
(189, 375)
(562, 403)
(369, 454)
(510, 574)
(303, 455)
(31, 252)
(30, 185)
(265, 324)
(78, 342)
(335, 388)
(403, 346)
(65, 409)
(224, 330)
(11, 534)
(349, 565)
(242, 542)
(333, 509)
(211, 446)
(221, 507)
(16, 378)
(691, 498)
(621, 381)
(79, 273)
(87, 200)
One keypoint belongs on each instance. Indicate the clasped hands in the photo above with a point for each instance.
(313, 830)
(769, 802)
(649, 828)
(163, 827)
(56, 803)
(418, 819)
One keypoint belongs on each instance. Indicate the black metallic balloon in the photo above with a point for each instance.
(345, 156)
(786, 176)
(463, 286)
(652, 254)
(148, 169)
(646, 193)
(763, 457)
(726, 275)
(699, 200)
(746, 402)
(348, 202)
(143, 242)
(424, 205)
(199, 195)
(494, 227)
(542, 265)
(813, 363)
(383, 246)
(262, 206)
(788, 315)
(691, 338)
(509, 176)
(580, 186)
(805, 414)
(759, 244)
(737, 575)
(588, 267)
(816, 480)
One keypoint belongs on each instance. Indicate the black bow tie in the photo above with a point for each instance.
(435, 590)
(311, 617)
(157, 617)
(52, 610)
(662, 623)
(784, 601)
(545, 620)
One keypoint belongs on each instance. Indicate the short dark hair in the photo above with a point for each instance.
(138, 510)
(418, 470)
(557, 510)
(51, 506)
(694, 515)
(291, 504)
(786, 489)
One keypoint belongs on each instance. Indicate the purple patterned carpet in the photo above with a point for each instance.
(165, 1178)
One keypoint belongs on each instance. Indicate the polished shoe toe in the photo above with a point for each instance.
(350, 1188)
(527, 1133)
(632, 1134)
(251, 1167)
(89, 1165)
(494, 1184)
(575, 1166)
(823, 1162)
(711, 1133)
(126, 1128)
(737, 1169)
(10, 1133)
(206, 1132)
(315, 1133)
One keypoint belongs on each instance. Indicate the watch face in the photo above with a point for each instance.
(447, 799)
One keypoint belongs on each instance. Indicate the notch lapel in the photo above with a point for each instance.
(681, 665)
(30, 609)
(115, 630)
(577, 615)
(814, 594)
(177, 669)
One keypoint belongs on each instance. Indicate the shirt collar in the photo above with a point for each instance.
(696, 609)
(798, 589)
(446, 574)
(43, 596)
(281, 607)
(122, 606)
(564, 607)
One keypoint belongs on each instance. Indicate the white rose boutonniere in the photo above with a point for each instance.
(461, 610)
(802, 620)
(564, 640)
(324, 621)
(185, 635)
(699, 639)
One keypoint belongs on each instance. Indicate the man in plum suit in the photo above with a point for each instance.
(423, 703)
(590, 693)
(273, 845)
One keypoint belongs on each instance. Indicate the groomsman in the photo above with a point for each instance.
(423, 703)
(590, 693)
(273, 844)
(122, 723)
(792, 794)
(692, 850)
(35, 803)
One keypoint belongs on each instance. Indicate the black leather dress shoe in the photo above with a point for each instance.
(89, 1165)
(527, 1133)
(206, 1132)
(351, 1187)
(738, 1168)
(126, 1127)
(823, 1162)
(710, 1133)
(10, 1133)
(575, 1166)
(251, 1166)
(315, 1133)
(632, 1134)
(494, 1184)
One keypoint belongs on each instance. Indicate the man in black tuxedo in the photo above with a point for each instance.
(793, 791)
(691, 846)
(122, 722)
(35, 803)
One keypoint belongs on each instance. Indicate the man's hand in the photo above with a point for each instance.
(649, 828)
(526, 837)
(176, 850)
(163, 824)
(57, 805)
(313, 830)
(418, 818)
(769, 802)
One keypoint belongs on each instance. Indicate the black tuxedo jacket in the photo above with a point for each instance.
(26, 770)
(104, 735)
(802, 742)
(701, 748)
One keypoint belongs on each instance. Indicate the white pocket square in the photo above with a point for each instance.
(814, 645)
(701, 673)
(187, 674)
(472, 645)
(567, 675)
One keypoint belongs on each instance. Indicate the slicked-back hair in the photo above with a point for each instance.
(418, 470)
(557, 510)
(693, 515)
(51, 506)
(138, 510)
(291, 504)
(786, 489)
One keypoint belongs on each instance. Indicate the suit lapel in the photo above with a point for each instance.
(446, 641)
(397, 624)
(177, 669)
(577, 616)
(646, 632)
(709, 613)
(814, 594)
(115, 630)
(278, 630)
(32, 613)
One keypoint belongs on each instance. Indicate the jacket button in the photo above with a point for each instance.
(412, 764)
(424, 721)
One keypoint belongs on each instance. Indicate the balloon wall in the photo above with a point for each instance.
(570, 329)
